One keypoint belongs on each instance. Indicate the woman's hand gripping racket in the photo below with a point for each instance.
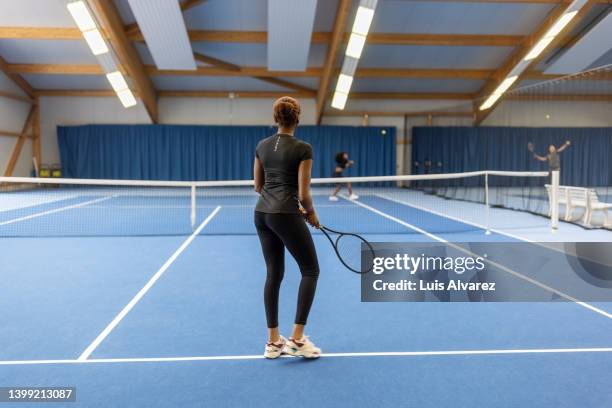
(530, 147)
(351, 249)
(348, 246)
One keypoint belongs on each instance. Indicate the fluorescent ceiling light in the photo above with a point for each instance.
(550, 35)
(561, 23)
(499, 91)
(81, 15)
(539, 47)
(127, 98)
(339, 100)
(363, 19)
(506, 83)
(490, 101)
(344, 83)
(117, 81)
(355, 45)
(95, 41)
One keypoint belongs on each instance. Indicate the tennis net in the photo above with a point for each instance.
(438, 204)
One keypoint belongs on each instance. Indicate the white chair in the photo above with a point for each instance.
(561, 198)
(577, 197)
(596, 205)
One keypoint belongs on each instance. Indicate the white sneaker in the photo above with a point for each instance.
(274, 350)
(353, 196)
(333, 198)
(302, 348)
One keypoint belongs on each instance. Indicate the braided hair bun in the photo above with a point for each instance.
(287, 112)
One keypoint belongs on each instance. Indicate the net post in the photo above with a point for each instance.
(193, 205)
(487, 206)
(554, 200)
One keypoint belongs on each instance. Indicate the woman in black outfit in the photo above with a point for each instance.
(282, 178)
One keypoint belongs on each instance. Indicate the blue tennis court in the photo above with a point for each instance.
(175, 319)
(309, 203)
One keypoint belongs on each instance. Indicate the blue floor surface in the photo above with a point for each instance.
(58, 294)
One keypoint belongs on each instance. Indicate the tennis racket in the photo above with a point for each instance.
(530, 146)
(348, 248)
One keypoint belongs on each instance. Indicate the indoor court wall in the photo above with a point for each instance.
(13, 114)
(561, 114)
(220, 111)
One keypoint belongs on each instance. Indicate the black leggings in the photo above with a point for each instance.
(277, 231)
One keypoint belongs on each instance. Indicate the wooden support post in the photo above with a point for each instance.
(36, 149)
(10, 167)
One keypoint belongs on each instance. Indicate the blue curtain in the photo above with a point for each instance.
(587, 162)
(173, 152)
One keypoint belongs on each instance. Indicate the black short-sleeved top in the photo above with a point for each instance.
(341, 162)
(280, 156)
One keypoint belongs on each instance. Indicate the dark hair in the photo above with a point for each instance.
(287, 111)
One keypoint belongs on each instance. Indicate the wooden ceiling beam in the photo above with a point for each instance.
(287, 84)
(342, 11)
(423, 73)
(40, 33)
(492, 40)
(224, 68)
(521, 52)
(562, 97)
(16, 97)
(261, 37)
(236, 94)
(215, 62)
(227, 66)
(75, 93)
(16, 78)
(399, 113)
(56, 69)
(355, 95)
(412, 95)
(111, 23)
(244, 71)
(189, 4)
(9, 133)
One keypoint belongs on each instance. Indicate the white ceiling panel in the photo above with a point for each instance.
(290, 24)
(162, 25)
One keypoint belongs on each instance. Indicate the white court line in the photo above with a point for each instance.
(450, 217)
(324, 355)
(145, 289)
(56, 210)
(498, 265)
